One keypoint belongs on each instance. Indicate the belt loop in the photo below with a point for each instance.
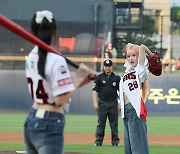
(47, 114)
(33, 111)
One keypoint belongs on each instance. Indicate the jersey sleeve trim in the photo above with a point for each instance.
(64, 89)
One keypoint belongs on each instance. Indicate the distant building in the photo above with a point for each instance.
(130, 11)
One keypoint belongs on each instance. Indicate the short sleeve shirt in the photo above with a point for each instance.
(58, 79)
(107, 85)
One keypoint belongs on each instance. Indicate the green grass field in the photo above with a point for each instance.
(13, 122)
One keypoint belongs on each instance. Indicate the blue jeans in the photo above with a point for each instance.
(44, 135)
(135, 132)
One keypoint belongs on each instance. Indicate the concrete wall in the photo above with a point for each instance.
(176, 46)
(14, 94)
(163, 99)
(63, 10)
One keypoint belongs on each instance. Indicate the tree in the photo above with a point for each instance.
(148, 29)
(148, 25)
(175, 18)
(175, 15)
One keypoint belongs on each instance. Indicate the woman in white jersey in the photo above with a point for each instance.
(51, 86)
(133, 92)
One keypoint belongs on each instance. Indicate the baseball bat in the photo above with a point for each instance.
(15, 28)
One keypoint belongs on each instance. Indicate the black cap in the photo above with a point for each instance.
(108, 62)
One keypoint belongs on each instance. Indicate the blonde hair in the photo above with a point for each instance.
(130, 46)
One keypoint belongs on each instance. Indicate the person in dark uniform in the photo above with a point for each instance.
(105, 99)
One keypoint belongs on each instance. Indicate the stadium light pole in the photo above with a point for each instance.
(171, 53)
(96, 5)
(161, 36)
(129, 21)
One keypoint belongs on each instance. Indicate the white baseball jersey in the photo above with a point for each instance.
(58, 79)
(130, 84)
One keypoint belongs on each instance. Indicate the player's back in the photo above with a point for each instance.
(57, 75)
(40, 88)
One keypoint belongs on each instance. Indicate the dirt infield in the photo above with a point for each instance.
(89, 139)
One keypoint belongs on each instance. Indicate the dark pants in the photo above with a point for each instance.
(107, 109)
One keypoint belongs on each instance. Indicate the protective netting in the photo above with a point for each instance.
(72, 39)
